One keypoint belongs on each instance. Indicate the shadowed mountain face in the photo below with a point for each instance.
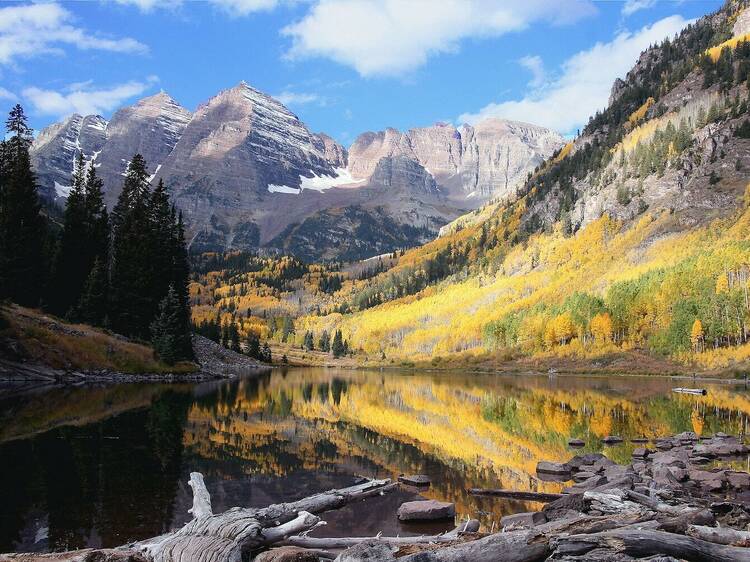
(247, 173)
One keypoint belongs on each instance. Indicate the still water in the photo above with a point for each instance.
(103, 465)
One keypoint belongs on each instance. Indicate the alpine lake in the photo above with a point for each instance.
(100, 465)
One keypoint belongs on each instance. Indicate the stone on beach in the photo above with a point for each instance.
(415, 479)
(425, 510)
(556, 468)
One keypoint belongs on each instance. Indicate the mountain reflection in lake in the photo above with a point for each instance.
(103, 465)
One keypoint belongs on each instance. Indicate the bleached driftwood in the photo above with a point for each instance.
(227, 536)
(337, 543)
(720, 535)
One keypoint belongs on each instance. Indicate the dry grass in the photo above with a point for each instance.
(47, 340)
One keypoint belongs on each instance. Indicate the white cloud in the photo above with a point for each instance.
(535, 65)
(149, 5)
(289, 98)
(245, 7)
(6, 94)
(391, 37)
(632, 6)
(84, 101)
(584, 84)
(36, 29)
(235, 8)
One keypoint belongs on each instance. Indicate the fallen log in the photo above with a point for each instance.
(338, 543)
(514, 546)
(228, 536)
(541, 497)
(699, 391)
(720, 535)
(641, 543)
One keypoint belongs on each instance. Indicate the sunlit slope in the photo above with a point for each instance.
(452, 316)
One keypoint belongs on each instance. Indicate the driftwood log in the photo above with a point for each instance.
(515, 495)
(339, 543)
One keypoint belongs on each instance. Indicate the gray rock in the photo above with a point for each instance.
(576, 443)
(641, 452)
(612, 439)
(739, 480)
(424, 510)
(523, 520)
(421, 480)
(555, 468)
(582, 476)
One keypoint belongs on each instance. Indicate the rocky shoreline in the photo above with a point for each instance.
(212, 362)
(668, 504)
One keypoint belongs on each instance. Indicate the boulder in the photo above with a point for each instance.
(687, 436)
(415, 479)
(556, 468)
(425, 510)
(641, 453)
(582, 476)
(525, 520)
(666, 459)
(612, 439)
(588, 484)
(639, 440)
(576, 442)
(740, 480)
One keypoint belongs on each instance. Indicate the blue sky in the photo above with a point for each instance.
(343, 66)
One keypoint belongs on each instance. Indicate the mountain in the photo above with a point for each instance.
(471, 164)
(248, 174)
(628, 247)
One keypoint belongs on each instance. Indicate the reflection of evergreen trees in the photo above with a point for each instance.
(116, 479)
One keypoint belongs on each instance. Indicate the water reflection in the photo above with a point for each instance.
(103, 465)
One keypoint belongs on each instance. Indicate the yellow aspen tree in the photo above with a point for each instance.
(696, 335)
(601, 327)
(722, 284)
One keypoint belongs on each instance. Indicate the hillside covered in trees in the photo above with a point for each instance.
(126, 271)
(633, 238)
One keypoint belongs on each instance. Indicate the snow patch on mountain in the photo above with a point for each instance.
(319, 182)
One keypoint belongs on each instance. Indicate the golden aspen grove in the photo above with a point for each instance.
(632, 240)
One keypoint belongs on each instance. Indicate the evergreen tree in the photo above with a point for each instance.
(309, 343)
(22, 226)
(168, 330)
(253, 345)
(92, 307)
(72, 264)
(131, 270)
(337, 347)
(234, 338)
(266, 353)
(324, 343)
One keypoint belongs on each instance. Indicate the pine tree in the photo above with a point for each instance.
(309, 342)
(131, 270)
(22, 226)
(337, 347)
(324, 343)
(92, 307)
(72, 264)
(167, 330)
(181, 274)
(266, 353)
(234, 338)
(253, 345)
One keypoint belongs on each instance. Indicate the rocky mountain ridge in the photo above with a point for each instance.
(248, 174)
